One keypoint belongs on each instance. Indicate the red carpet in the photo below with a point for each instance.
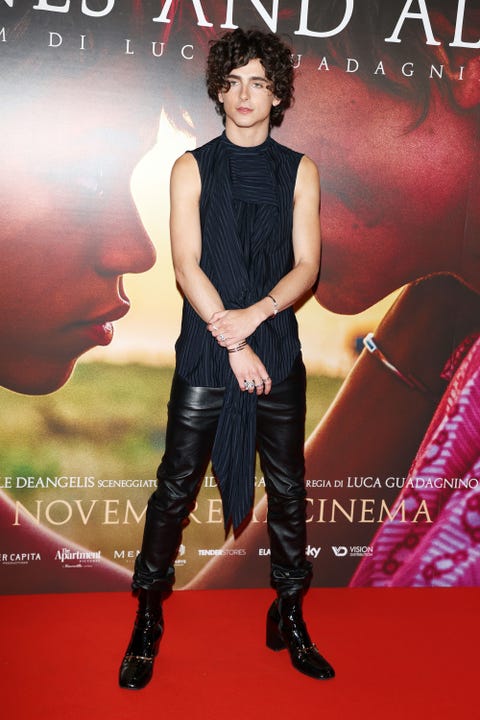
(398, 654)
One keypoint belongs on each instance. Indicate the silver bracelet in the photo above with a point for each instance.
(275, 304)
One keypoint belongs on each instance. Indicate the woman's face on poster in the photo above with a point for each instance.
(69, 231)
(394, 194)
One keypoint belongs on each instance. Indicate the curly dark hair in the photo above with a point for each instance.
(235, 49)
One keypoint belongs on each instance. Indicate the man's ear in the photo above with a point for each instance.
(462, 65)
(466, 91)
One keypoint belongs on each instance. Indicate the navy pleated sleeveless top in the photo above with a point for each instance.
(246, 214)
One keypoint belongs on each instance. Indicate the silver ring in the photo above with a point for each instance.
(222, 337)
(259, 386)
(248, 384)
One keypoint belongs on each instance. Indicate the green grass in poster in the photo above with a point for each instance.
(103, 435)
(108, 421)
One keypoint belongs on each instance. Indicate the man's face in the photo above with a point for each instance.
(249, 99)
(69, 233)
(393, 198)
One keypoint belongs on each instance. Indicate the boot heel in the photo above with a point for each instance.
(274, 639)
(137, 665)
(291, 632)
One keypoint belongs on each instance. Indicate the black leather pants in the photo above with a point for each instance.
(192, 420)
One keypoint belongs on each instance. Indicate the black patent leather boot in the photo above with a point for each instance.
(286, 629)
(137, 666)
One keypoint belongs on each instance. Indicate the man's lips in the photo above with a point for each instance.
(98, 330)
(115, 313)
(244, 110)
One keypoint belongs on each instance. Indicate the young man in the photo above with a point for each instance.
(246, 246)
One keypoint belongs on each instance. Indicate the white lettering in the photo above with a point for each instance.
(84, 517)
(130, 510)
(303, 28)
(97, 13)
(111, 511)
(457, 40)
(18, 506)
(324, 64)
(421, 15)
(154, 48)
(269, 20)
(352, 65)
(202, 20)
(297, 60)
(184, 55)
(436, 71)
(55, 36)
(45, 5)
(53, 504)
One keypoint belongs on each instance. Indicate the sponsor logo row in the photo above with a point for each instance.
(66, 556)
(339, 551)
(79, 558)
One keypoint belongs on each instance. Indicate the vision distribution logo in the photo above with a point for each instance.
(352, 551)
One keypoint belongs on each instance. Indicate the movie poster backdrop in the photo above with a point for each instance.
(99, 97)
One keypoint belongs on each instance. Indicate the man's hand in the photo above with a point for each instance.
(229, 327)
(250, 372)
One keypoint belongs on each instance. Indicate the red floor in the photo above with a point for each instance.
(398, 654)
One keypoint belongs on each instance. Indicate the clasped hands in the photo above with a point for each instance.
(230, 328)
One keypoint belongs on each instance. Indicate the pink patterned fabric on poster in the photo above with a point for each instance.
(442, 494)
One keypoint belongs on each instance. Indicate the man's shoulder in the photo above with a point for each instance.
(286, 150)
(206, 147)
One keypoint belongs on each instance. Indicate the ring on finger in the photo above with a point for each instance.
(222, 337)
(248, 384)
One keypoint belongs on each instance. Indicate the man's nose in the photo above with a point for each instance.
(244, 91)
(123, 246)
